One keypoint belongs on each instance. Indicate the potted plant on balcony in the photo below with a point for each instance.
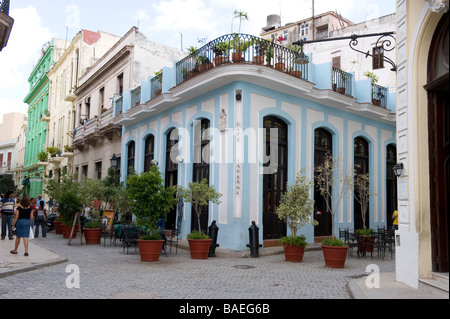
(204, 63)
(150, 200)
(377, 96)
(296, 210)
(221, 50)
(199, 194)
(297, 49)
(261, 47)
(53, 151)
(42, 156)
(239, 46)
(333, 182)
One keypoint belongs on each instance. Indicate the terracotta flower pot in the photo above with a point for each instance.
(279, 66)
(199, 248)
(334, 256)
(58, 227)
(92, 236)
(221, 59)
(66, 229)
(236, 57)
(150, 250)
(294, 253)
(258, 59)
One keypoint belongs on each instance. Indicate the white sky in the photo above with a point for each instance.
(170, 22)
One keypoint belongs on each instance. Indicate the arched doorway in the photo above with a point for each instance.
(171, 173)
(323, 145)
(361, 165)
(439, 143)
(201, 167)
(391, 184)
(274, 184)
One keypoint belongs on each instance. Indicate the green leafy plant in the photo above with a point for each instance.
(42, 156)
(149, 198)
(296, 241)
(333, 242)
(53, 150)
(195, 234)
(296, 207)
(67, 192)
(93, 224)
(199, 194)
(220, 48)
(365, 231)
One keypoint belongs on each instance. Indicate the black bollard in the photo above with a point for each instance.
(253, 232)
(213, 233)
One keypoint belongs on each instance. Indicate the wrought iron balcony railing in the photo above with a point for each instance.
(342, 82)
(240, 48)
(136, 96)
(4, 6)
(379, 95)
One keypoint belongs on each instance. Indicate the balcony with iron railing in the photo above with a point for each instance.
(237, 49)
(342, 82)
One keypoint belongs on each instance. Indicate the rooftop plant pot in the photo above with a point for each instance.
(221, 59)
(236, 57)
(294, 253)
(199, 248)
(258, 59)
(334, 256)
(150, 250)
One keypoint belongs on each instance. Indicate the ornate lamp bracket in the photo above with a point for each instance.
(385, 41)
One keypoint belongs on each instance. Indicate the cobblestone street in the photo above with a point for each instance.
(107, 272)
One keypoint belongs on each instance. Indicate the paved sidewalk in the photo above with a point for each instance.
(42, 257)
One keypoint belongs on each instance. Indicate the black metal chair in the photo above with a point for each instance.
(130, 237)
(172, 239)
(383, 242)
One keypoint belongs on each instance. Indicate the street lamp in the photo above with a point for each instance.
(398, 169)
(113, 160)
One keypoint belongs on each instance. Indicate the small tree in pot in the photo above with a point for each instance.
(150, 200)
(296, 209)
(333, 182)
(199, 194)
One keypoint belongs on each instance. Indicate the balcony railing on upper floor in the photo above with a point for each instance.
(379, 95)
(136, 96)
(156, 85)
(241, 48)
(342, 82)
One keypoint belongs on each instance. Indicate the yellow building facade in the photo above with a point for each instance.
(423, 139)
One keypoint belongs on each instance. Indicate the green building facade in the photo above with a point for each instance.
(38, 117)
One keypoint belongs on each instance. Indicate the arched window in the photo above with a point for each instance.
(274, 181)
(149, 154)
(323, 145)
(130, 157)
(361, 162)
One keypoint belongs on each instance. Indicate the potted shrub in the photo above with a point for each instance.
(67, 193)
(239, 46)
(261, 47)
(150, 200)
(199, 194)
(296, 209)
(53, 151)
(334, 252)
(42, 156)
(221, 49)
(376, 96)
(332, 182)
(92, 232)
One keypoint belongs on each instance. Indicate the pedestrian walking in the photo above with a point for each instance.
(8, 204)
(41, 220)
(23, 218)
